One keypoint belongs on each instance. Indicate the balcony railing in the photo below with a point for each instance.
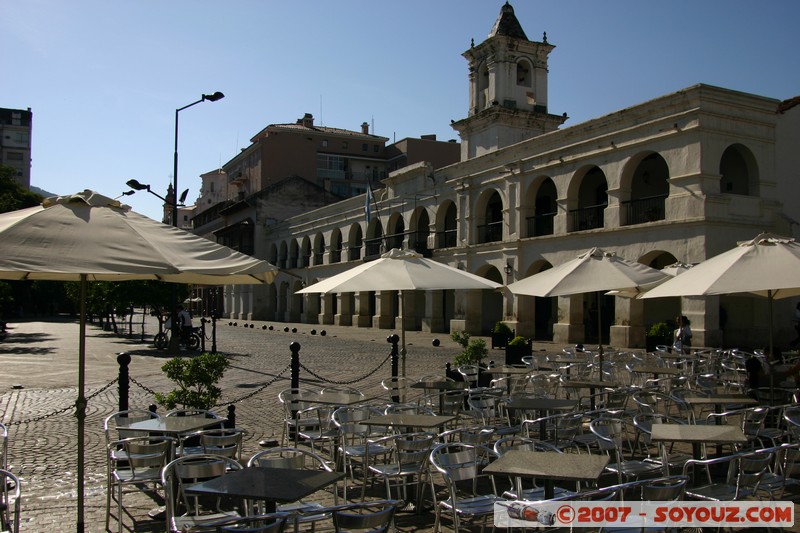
(446, 238)
(336, 256)
(372, 247)
(281, 262)
(539, 225)
(587, 217)
(644, 210)
(353, 252)
(318, 258)
(491, 232)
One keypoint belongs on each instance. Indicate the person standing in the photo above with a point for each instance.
(683, 335)
(185, 322)
(796, 321)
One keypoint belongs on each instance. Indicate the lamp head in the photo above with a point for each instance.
(213, 97)
(133, 184)
(182, 199)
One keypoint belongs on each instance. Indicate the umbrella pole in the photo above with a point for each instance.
(80, 404)
(600, 333)
(402, 335)
(771, 353)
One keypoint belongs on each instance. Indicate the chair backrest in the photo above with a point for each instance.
(610, 433)
(408, 408)
(666, 489)
(747, 471)
(10, 501)
(456, 461)
(186, 470)
(143, 453)
(226, 442)
(470, 374)
(412, 448)
(288, 457)
(517, 442)
(374, 517)
(264, 523)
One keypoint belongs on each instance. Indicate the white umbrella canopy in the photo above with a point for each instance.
(88, 236)
(400, 270)
(636, 292)
(768, 265)
(593, 271)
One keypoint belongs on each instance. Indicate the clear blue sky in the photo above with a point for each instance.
(104, 78)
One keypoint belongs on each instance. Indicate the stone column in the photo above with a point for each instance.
(628, 329)
(344, 316)
(361, 317)
(569, 329)
(384, 314)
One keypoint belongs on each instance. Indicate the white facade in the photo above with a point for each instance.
(679, 178)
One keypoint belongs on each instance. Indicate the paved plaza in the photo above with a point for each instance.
(39, 388)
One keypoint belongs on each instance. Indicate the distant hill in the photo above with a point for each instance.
(43, 192)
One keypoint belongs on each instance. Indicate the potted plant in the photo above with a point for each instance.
(196, 379)
(473, 353)
(501, 334)
(517, 348)
(658, 334)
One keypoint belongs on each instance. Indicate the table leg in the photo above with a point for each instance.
(549, 489)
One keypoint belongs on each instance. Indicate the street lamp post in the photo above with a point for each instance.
(174, 202)
(211, 98)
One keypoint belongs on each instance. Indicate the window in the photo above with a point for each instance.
(364, 147)
(344, 145)
(324, 143)
(376, 148)
(211, 186)
(14, 156)
(331, 166)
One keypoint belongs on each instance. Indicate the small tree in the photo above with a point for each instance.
(474, 350)
(196, 379)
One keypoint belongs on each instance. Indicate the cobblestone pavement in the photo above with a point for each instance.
(39, 387)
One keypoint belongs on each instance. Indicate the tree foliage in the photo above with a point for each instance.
(14, 196)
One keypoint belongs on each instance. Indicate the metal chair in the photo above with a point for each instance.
(613, 438)
(144, 459)
(10, 502)
(459, 466)
(185, 511)
(304, 511)
(742, 480)
(397, 387)
(314, 425)
(291, 401)
(226, 442)
(356, 440)
(4, 447)
(369, 517)
(260, 523)
(405, 465)
(666, 457)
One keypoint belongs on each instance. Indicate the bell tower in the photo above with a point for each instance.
(507, 89)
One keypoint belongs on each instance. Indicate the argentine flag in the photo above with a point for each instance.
(367, 204)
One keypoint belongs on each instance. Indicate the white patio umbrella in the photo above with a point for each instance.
(400, 270)
(768, 266)
(636, 292)
(90, 237)
(593, 271)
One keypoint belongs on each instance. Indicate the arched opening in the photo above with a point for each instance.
(305, 253)
(447, 226)
(336, 246)
(272, 254)
(649, 190)
(591, 202)
(483, 88)
(421, 229)
(396, 232)
(294, 254)
(492, 302)
(523, 73)
(373, 244)
(540, 220)
(490, 225)
(319, 249)
(355, 243)
(283, 256)
(738, 171)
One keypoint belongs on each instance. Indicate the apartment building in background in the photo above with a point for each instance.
(15, 142)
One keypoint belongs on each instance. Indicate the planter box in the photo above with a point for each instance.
(500, 340)
(514, 354)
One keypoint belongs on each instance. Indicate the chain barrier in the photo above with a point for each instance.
(63, 409)
(348, 382)
(256, 391)
(143, 387)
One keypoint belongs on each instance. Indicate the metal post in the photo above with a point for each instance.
(393, 340)
(231, 422)
(202, 334)
(295, 381)
(124, 360)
